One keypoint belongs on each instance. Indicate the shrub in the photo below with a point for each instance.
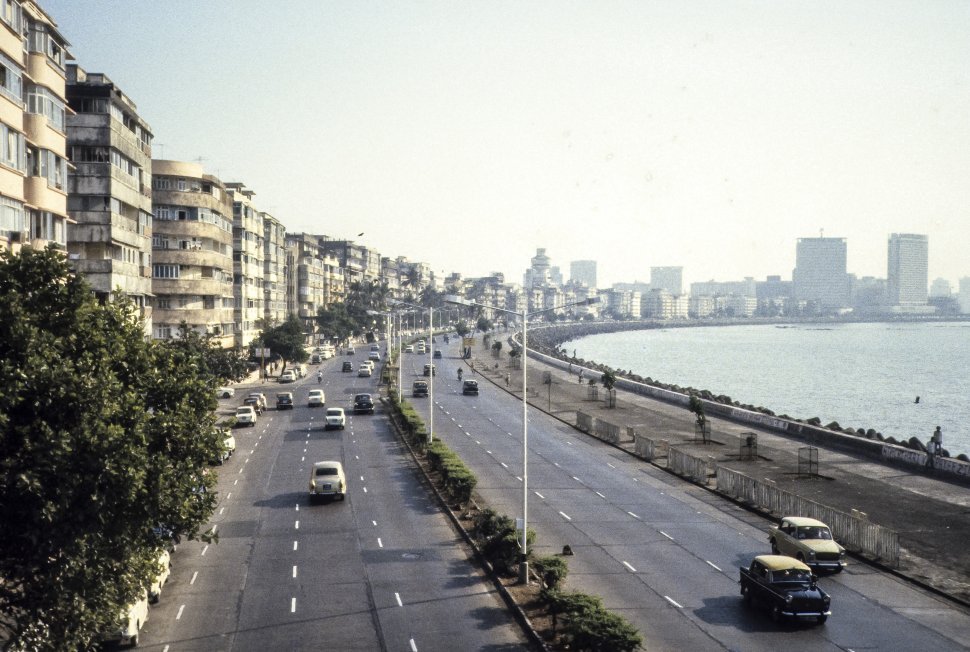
(552, 570)
(587, 625)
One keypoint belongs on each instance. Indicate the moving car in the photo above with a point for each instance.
(316, 398)
(420, 348)
(350, 350)
(808, 541)
(284, 401)
(225, 392)
(347, 366)
(316, 358)
(470, 388)
(288, 376)
(364, 371)
(335, 418)
(254, 403)
(786, 587)
(409, 348)
(363, 404)
(245, 415)
(437, 353)
(430, 369)
(419, 389)
(327, 479)
(261, 397)
(374, 356)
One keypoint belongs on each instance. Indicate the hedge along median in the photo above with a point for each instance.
(585, 623)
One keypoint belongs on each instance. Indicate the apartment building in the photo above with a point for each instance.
(192, 252)
(820, 276)
(247, 263)
(33, 114)
(274, 270)
(907, 270)
(110, 195)
(306, 282)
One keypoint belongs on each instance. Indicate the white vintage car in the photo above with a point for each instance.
(809, 541)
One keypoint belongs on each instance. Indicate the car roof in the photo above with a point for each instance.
(334, 410)
(325, 463)
(316, 391)
(363, 394)
(780, 562)
(798, 521)
(244, 407)
(471, 382)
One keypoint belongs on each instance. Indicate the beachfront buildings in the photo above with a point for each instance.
(820, 279)
(192, 252)
(110, 190)
(907, 276)
(33, 114)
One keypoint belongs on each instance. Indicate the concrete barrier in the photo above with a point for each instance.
(584, 422)
(697, 469)
(607, 431)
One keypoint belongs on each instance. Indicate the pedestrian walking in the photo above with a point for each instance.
(508, 377)
(580, 381)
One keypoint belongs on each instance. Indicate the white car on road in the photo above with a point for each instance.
(316, 398)
(335, 419)
(245, 415)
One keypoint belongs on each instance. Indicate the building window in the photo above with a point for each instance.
(165, 271)
(182, 186)
(12, 14)
(45, 225)
(12, 215)
(161, 183)
(83, 154)
(12, 148)
(163, 303)
(42, 101)
(40, 40)
(48, 165)
(11, 81)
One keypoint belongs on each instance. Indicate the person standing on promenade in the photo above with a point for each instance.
(580, 377)
(508, 377)
(934, 447)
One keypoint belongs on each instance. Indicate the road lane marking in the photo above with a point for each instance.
(476, 441)
(577, 480)
(632, 569)
(509, 434)
(296, 526)
(565, 516)
(570, 443)
(555, 464)
(504, 464)
(489, 452)
(293, 606)
(298, 507)
(194, 575)
(633, 515)
(538, 494)
(221, 511)
(380, 544)
(295, 545)
(414, 646)
(599, 494)
(235, 482)
(303, 459)
(356, 458)
(610, 465)
(713, 566)
(178, 616)
(361, 478)
(204, 550)
(666, 535)
(375, 523)
(247, 461)
(398, 598)
(673, 602)
(519, 478)
(294, 570)
(240, 470)
(228, 495)
(214, 528)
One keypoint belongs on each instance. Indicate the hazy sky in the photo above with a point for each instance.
(710, 135)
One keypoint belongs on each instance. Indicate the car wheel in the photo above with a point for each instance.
(343, 497)
(133, 642)
(776, 614)
(774, 547)
(821, 619)
(746, 595)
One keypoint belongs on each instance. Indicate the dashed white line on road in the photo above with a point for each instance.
(221, 511)
(632, 569)
(577, 479)
(165, 649)
(666, 535)
(504, 464)
(610, 465)
(673, 602)
(240, 470)
(555, 464)
(293, 606)
(304, 450)
(397, 597)
(296, 526)
(178, 616)
(476, 441)
(204, 550)
(254, 448)
(295, 544)
(194, 575)
(538, 494)
(565, 516)
(356, 458)
(569, 443)
(633, 515)
(519, 478)
(489, 452)
(214, 528)
(228, 495)
(298, 507)
(235, 482)
(247, 461)
(361, 478)
(365, 490)
(375, 523)
(303, 459)
(414, 646)
(294, 570)
(599, 494)
(713, 566)
(509, 434)
(380, 544)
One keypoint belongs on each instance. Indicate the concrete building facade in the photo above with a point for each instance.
(820, 275)
(583, 271)
(670, 279)
(192, 251)
(247, 263)
(110, 190)
(907, 277)
(274, 270)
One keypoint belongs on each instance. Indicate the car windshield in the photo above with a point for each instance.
(245, 410)
(334, 412)
(363, 397)
(327, 471)
(814, 532)
(799, 575)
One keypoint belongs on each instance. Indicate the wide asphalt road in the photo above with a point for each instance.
(382, 570)
(659, 550)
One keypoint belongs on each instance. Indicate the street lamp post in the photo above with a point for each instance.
(431, 375)
(524, 316)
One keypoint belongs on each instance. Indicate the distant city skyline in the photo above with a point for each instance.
(706, 135)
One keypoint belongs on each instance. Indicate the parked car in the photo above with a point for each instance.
(430, 369)
(327, 479)
(470, 388)
(419, 389)
(808, 541)
(261, 397)
(363, 404)
(228, 445)
(374, 356)
(254, 403)
(364, 371)
(225, 392)
(164, 570)
(316, 398)
(284, 401)
(437, 353)
(347, 366)
(132, 620)
(245, 415)
(335, 418)
(288, 376)
(786, 587)
(316, 358)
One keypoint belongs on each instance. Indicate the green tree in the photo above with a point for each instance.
(335, 322)
(105, 439)
(462, 329)
(483, 324)
(287, 340)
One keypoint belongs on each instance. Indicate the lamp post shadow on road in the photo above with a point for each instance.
(524, 317)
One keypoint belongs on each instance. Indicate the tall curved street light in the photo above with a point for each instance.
(430, 310)
(524, 316)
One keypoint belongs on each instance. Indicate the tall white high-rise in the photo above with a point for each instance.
(820, 272)
(583, 271)
(908, 276)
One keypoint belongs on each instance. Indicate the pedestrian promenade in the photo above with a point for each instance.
(932, 517)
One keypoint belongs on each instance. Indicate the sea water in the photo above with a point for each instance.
(859, 375)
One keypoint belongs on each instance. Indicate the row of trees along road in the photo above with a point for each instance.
(105, 442)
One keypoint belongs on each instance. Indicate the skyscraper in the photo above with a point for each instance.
(820, 272)
(907, 276)
(670, 279)
(583, 271)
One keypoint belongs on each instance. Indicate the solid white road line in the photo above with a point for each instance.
(713, 566)
(673, 602)
(397, 597)
(632, 569)
(178, 616)
(194, 575)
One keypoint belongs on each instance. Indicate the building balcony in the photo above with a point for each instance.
(191, 229)
(205, 287)
(193, 258)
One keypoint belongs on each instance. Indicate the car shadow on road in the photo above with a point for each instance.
(283, 501)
